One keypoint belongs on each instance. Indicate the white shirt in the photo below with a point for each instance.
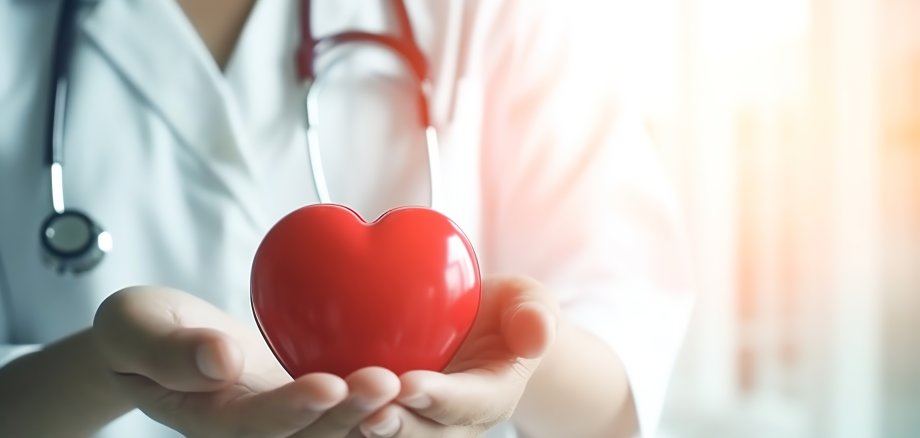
(188, 167)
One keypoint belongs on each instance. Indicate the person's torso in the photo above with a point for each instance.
(188, 168)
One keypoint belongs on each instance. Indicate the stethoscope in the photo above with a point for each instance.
(73, 242)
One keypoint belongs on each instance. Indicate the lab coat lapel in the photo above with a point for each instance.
(175, 78)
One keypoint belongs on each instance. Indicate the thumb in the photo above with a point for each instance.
(528, 320)
(138, 333)
(529, 330)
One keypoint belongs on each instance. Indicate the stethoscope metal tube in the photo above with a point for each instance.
(432, 147)
(405, 49)
(71, 242)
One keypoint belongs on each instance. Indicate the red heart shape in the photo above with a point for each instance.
(333, 293)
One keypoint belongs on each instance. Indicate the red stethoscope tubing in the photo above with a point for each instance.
(403, 44)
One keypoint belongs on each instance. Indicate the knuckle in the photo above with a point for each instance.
(111, 307)
(121, 306)
(108, 323)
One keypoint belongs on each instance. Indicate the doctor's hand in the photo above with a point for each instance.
(194, 368)
(484, 382)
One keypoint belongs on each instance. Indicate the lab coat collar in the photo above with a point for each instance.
(175, 78)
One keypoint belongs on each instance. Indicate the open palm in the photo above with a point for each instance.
(192, 367)
(486, 378)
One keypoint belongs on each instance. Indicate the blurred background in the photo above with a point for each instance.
(792, 131)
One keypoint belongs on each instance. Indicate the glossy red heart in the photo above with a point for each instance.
(333, 293)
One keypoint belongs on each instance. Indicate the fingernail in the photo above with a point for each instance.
(320, 405)
(206, 357)
(417, 401)
(363, 403)
(386, 429)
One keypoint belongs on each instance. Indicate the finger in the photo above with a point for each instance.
(138, 332)
(483, 397)
(276, 413)
(369, 389)
(528, 329)
(394, 421)
(289, 408)
(385, 423)
(528, 315)
(522, 311)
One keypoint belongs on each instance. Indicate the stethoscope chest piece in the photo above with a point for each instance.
(72, 242)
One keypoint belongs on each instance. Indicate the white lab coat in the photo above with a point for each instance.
(188, 168)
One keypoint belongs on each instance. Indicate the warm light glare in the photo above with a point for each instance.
(790, 129)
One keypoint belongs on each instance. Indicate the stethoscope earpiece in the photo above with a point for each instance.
(72, 242)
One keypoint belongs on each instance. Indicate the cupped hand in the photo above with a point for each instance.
(484, 382)
(194, 368)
